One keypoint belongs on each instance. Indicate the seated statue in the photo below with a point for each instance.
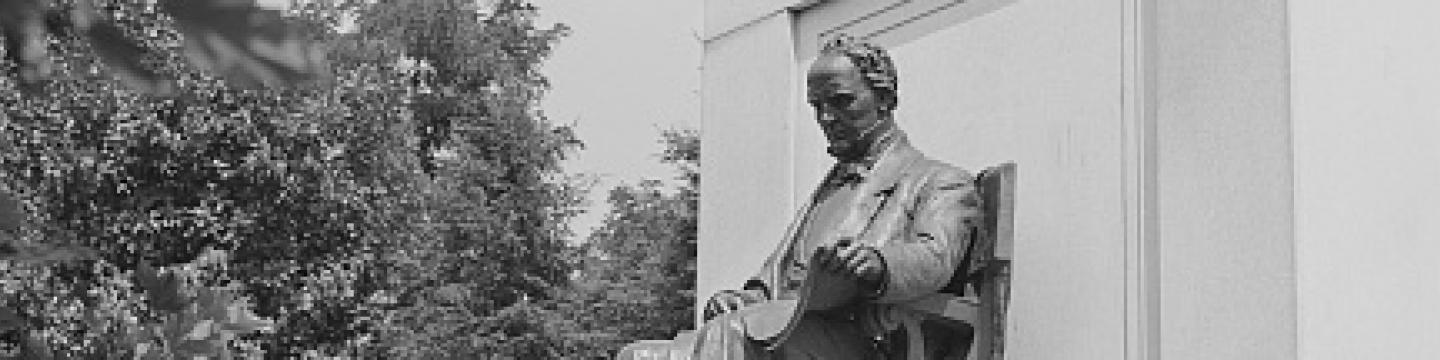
(893, 222)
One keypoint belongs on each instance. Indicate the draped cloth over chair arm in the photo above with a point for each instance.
(658, 349)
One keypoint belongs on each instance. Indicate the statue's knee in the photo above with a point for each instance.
(819, 337)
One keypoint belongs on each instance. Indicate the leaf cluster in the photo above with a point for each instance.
(413, 207)
(638, 268)
(250, 46)
(350, 214)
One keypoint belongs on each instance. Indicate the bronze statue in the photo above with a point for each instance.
(891, 221)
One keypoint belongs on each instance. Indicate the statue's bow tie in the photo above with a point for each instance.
(850, 173)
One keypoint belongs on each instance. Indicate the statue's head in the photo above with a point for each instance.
(852, 87)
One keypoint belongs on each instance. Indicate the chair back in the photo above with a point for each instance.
(996, 250)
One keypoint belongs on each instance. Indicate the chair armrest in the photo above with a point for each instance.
(659, 349)
(960, 308)
(646, 350)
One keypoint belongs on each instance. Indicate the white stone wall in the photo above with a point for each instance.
(1001, 87)
(1293, 166)
(1366, 103)
(1225, 218)
(985, 88)
(746, 165)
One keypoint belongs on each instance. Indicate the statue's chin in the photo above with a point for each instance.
(844, 149)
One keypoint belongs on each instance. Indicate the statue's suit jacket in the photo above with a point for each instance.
(917, 211)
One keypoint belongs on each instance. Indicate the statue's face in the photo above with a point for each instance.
(845, 106)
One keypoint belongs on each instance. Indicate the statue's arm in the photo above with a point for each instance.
(757, 285)
(754, 290)
(922, 261)
(760, 282)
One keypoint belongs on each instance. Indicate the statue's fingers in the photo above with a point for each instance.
(710, 310)
(718, 304)
(868, 271)
(857, 263)
(849, 257)
(824, 257)
(818, 259)
(853, 260)
(839, 260)
(735, 303)
(750, 296)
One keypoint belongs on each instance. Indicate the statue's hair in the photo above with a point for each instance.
(872, 60)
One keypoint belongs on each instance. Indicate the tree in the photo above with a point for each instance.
(496, 226)
(251, 46)
(352, 213)
(283, 179)
(638, 278)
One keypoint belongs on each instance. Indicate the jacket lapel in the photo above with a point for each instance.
(792, 234)
(880, 188)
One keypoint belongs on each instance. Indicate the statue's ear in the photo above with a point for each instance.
(888, 100)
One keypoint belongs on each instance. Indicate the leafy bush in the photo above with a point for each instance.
(418, 181)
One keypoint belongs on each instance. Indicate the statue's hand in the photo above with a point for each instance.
(730, 300)
(860, 262)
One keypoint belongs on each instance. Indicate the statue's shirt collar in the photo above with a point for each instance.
(856, 170)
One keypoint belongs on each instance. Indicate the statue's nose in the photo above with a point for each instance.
(827, 118)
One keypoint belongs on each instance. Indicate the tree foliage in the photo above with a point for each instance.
(638, 278)
(160, 197)
(251, 46)
(411, 206)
